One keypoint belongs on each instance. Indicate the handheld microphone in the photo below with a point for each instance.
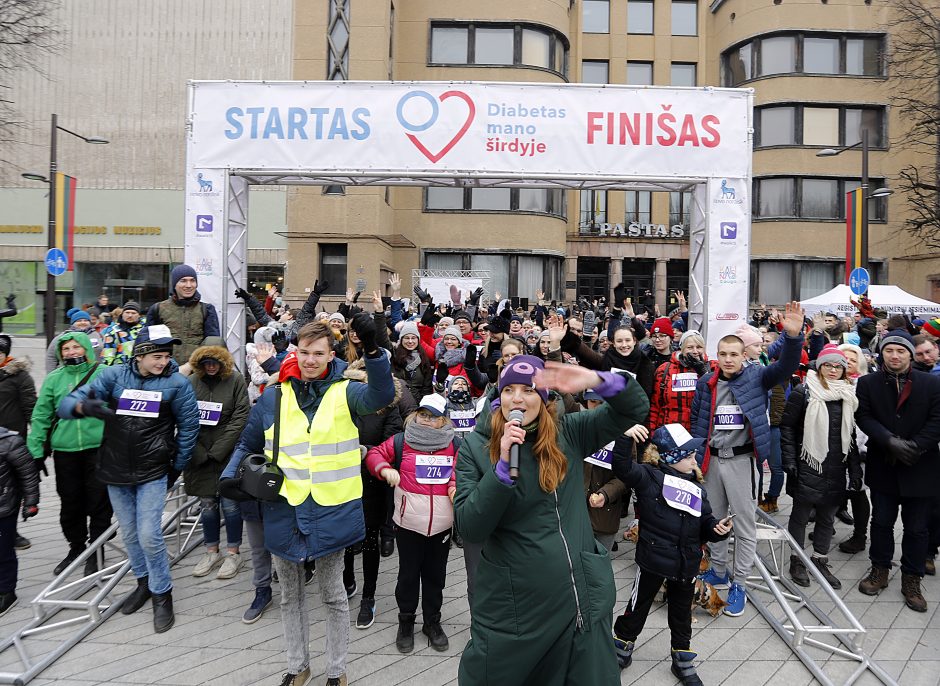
(514, 416)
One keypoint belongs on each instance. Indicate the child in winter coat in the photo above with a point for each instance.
(19, 481)
(425, 483)
(603, 490)
(677, 519)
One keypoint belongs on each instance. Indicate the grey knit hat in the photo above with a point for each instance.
(408, 328)
(898, 337)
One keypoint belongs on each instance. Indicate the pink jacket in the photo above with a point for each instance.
(422, 506)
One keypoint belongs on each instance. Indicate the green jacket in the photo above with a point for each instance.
(215, 443)
(71, 435)
(544, 592)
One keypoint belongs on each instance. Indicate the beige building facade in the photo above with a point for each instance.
(819, 75)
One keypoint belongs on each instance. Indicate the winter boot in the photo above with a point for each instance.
(798, 572)
(163, 618)
(876, 580)
(769, 505)
(624, 651)
(405, 640)
(69, 559)
(856, 543)
(910, 589)
(437, 639)
(683, 668)
(930, 566)
(135, 600)
(822, 564)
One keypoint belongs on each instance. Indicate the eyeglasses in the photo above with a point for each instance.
(657, 336)
(831, 365)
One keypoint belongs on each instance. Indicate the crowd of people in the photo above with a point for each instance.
(522, 438)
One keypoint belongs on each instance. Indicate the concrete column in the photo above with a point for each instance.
(659, 279)
(616, 271)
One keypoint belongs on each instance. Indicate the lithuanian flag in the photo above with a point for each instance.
(853, 231)
(65, 187)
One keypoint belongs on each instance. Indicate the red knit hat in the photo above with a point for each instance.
(662, 325)
(831, 354)
(932, 327)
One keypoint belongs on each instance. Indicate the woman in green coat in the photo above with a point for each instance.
(545, 591)
(223, 411)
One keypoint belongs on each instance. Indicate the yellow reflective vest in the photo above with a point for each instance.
(319, 458)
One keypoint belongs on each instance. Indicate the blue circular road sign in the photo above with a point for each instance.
(859, 280)
(56, 262)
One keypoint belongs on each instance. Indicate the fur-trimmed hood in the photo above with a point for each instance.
(16, 365)
(356, 371)
(218, 352)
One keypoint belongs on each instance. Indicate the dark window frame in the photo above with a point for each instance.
(652, 30)
(337, 286)
(645, 63)
(798, 122)
(694, 65)
(671, 7)
(877, 209)
(554, 37)
(556, 196)
(597, 33)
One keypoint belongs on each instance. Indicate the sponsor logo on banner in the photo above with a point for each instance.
(203, 266)
(729, 231)
(727, 316)
(729, 194)
(204, 223)
(205, 187)
(728, 274)
(455, 130)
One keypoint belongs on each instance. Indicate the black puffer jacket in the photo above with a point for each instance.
(670, 542)
(17, 395)
(19, 478)
(811, 486)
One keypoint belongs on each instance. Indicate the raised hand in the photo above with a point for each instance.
(557, 328)
(540, 295)
(377, 305)
(349, 296)
(320, 287)
(793, 318)
(455, 295)
(394, 282)
(566, 378)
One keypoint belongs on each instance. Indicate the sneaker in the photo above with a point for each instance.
(822, 564)
(230, 566)
(352, 589)
(21, 543)
(366, 616)
(624, 651)
(206, 564)
(336, 680)
(7, 600)
(737, 599)
(712, 577)
(258, 605)
(296, 679)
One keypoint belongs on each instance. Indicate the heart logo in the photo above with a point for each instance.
(471, 113)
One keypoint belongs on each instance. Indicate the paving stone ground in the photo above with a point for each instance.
(210, 645)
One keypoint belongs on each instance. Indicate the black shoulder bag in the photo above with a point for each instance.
(259, 478)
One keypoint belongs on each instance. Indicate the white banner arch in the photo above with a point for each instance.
(571, 136)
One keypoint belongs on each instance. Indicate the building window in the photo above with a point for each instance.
(680, 208)
(817, 277)
(804, 53)
(639, 73)
(535, 200)
(639, 207)
(594, 71)
(593, 209)
(497, 44)
(835, 125)
(810, 198)
(677, 280)
(333, 267)
(593, 277)
(596, 16)
(682, 74)
(498, 267)
(773, 282)
(684, 18)
(640, 16)
(337, 44)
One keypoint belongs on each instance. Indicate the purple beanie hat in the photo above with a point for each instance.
(521, 369)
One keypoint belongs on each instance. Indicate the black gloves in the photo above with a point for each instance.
(242, 293)
(855, 484)
(429, 318)
(904, 451)
(442, 373)
(791, 479)
(475, 296)
(356, 296)
(470, 357)
(94, 407)
(29, 511)
(423, 296)
(696, 364)
(364, 327)
(320, 287)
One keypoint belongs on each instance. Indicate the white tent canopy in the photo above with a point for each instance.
(892, 299)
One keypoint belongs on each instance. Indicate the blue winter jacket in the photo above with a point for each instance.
(749, 388)
(136, 450)
(311, 530)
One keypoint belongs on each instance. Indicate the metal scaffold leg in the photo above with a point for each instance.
(74, 605)
(803, 623)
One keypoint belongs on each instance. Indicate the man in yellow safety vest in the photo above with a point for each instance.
(319, 512)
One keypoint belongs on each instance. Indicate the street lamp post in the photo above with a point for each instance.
(49, 308)
(866, 196)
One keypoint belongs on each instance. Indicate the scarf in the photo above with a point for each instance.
(186, 302)
(630, 362)
(426, 439)
(816, 421)
(449, 357)
(412, 362)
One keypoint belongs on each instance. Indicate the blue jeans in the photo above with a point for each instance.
(139, 511)
(212, 523)
(776, 466)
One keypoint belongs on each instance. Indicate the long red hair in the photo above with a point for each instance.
(553, 465)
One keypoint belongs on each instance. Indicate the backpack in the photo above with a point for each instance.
(398, 441)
